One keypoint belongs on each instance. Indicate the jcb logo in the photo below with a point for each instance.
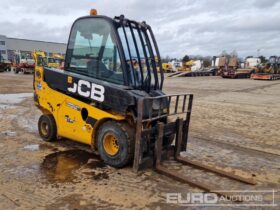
(88, 90)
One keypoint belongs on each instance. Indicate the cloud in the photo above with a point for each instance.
(196, 27)
(264, 4)
(35, 30)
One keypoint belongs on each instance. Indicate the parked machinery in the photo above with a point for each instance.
(230, 67)
(40, 58)
(176, 65)
(55, 61)
(194, 68)
(186, 66)
(118, 109)
(23, 62)
(5, 65)
(199, 70)
(269, 70)
(167, 67)
(222, 64)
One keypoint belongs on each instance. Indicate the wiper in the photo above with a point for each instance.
(90, 47)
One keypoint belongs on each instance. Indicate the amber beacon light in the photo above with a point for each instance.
(93, 12)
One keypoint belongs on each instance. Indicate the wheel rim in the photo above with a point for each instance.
(44, 128)
(110, 144)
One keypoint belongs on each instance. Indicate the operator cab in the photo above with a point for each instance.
(117, 51)
(110, 63)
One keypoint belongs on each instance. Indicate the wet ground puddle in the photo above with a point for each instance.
(61, 166)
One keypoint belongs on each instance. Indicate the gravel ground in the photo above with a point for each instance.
(234, 125)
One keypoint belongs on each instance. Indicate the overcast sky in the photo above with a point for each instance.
(193, 27)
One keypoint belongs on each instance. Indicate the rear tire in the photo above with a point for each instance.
(115, 143)
(47, 128)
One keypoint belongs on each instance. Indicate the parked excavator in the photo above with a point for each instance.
(109, 96)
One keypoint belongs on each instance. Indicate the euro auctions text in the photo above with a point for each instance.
(223, 198)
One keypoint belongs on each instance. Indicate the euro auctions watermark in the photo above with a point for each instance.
(255, 198)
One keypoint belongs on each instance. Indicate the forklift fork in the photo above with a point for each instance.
(141, 131)
(181, 128)
(179, 145)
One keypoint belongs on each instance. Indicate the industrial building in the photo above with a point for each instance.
(8, 46)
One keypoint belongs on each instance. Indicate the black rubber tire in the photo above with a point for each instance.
(51, 133)
(125, 136)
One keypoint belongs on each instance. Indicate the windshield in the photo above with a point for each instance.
(93, 52)
(140, 56)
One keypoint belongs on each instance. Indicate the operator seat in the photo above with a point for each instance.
(97, 69)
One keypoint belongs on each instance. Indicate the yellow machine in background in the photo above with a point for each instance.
(186, 66)
(269, 70)
(55, 61)
(167, 67)
(40, 58)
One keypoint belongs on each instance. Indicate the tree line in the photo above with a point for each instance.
(207, 60)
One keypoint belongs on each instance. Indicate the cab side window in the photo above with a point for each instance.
(92, 51)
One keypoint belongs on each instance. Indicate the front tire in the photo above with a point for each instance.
(47, 128)
(115, 142)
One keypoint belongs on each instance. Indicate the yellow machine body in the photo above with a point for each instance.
(167, 67)
(186, 66)
(53, 65)
(55, 61)
(39, 56)
(67, 110)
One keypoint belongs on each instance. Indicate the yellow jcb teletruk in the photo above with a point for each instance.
(109, 95)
